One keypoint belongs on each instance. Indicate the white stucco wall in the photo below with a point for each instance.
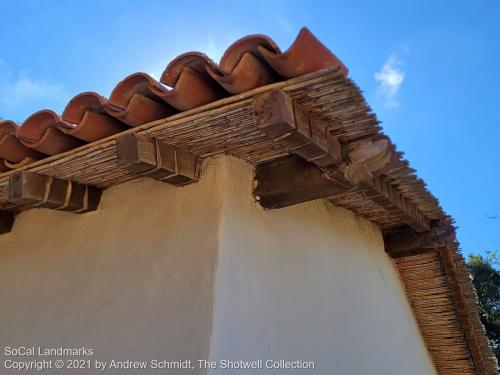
(132, 280)
(203, 272)
(310, 282)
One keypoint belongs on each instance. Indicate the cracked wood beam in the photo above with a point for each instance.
(407, 242)
(35, 190)
(151, 158)
(6, 221)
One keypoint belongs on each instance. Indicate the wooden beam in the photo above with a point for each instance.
(6, 221)
(359, 163)
(302, 133)
(305, 134)
(34, 190)
(386, 195)
(291, 180)
(407, 242)
(148, 157)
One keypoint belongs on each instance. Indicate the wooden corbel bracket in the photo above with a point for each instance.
(329, 167)
(28, 189)
(304, 134)
(301, 133)
(407, 242)
(149, 157)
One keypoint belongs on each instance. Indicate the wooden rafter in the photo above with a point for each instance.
(291, 180)
(288, 124)
(343, 165)
(148, 157)
(35, 190)
(407, 242)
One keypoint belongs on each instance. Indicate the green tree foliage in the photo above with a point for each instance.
(486, 280)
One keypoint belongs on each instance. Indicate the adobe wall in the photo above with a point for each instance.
(309, 282)
(132, 280)
(203, 272)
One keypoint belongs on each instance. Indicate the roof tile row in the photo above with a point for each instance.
(189, 81)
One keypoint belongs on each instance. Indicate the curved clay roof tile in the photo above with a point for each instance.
(242, 68)
(192, 90)
(135, 100)
(247, 44)
(40, 132)
(194, 60)
(307, 54)
(249, 73)
(191, 84)
(85, 118)
(11, 149)
(189, 81)
(7, 127)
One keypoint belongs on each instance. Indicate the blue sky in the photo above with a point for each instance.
(430, 69)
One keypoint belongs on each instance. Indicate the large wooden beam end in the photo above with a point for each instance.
(301, 133)
(34, 190)
(291, 180)
(148, 157)
(407, 242)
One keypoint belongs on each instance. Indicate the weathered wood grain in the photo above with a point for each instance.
(144, 156)
(29, 189)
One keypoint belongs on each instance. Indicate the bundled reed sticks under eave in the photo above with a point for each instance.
(435, 300)
(431, 298)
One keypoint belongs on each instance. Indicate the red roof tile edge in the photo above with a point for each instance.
(189, 81)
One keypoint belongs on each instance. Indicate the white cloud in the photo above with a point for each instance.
(390, 79)
(24, 88)
(21, 94)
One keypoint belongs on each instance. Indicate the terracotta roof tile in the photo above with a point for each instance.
(135, 100)
(189, 81)
(85, 118)
(40, 132)
(306, 54)
(192, 85)
(242, 67)
(11, 148)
